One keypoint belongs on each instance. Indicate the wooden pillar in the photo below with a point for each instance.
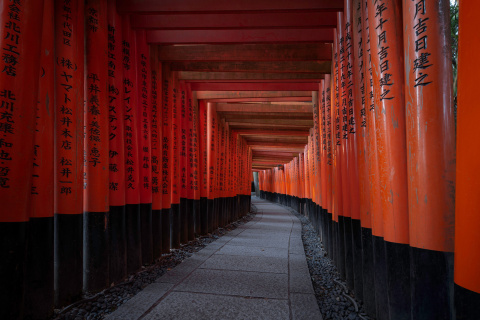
(360, 111)
(196, 167)
(211, 163)
(431, 156)
(38, 303)
(324, 163)
(203, 162)
(144, 115)
(329, 159)
(116, 221)
(380, 270)
(96, 191)
(166, 157)
(190, 170)
(183, 145)
(69, 110)
(351, 83)
(316, 155)
(388, 81)
(156, 150)
(175, 162)
(467, 220)
(132, 163)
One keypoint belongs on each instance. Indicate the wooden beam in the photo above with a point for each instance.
(254, 66)
(243, 125)
(232, 116)
(251, 94)
(239, 36)
(279, 122)
(250, 20)
(276, 144)
(266, 99)
(246, 132)
(250, 76)
(261, 86)
(247, 52)
(211, 6)
(257, 107)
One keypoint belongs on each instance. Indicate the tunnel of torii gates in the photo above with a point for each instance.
(128, 128)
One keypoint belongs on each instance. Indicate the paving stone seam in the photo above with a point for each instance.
(232, 295)
(249, 271)
(156, 303)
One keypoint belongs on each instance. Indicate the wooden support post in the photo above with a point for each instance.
(211, 163)
(132, 163)
(185, 211)
(116, 220)
(166, 157)
(144, 115)
(203, 166)
(196, 167)
(329, 160)
(96, 191)
(156, 150)
(38, 303)
(69, 102)
(388, 81)
(190, 163)
(175, 167)
(431, 156)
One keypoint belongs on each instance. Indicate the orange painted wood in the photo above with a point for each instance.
(430, 128)
(247, 52)
(130, 98)
(69, 101)
(116, 109)
(167, 152)
(467, 220)
(156, 129)
(175, 143)
(42, 191)
(388, 85)
(203, 149)
(96, 190)
(253, 66)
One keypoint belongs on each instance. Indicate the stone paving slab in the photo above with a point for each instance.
(186, 305)
(257, 271)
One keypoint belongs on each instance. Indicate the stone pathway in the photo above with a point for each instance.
(257, 271)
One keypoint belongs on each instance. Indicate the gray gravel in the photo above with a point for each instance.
(328, 286)
(99, 305)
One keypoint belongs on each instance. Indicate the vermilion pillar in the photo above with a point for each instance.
(362, 209)
(467, 220)
(185, 211)
(189, 170)
(345, 85)
(166, 160)
(329, 159)
(380, 270)
(175, 160)
(132, 163)
(40, 257)
(203, 162)
(211, 162)
(316, 155)
(195, 166)
(156, 151)
(388, 81)
(144, 119)
(351, 84)
(116, 154)
(431, 156)
(69, 151)
(323, 163)
(96, 192)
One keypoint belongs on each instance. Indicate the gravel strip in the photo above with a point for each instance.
(328, 286)
(99, 305)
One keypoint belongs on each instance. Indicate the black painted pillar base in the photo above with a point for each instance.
(13, 244)
(95, 249)
(183, 220)
(175, 226)
(221, 212)
(357, 258)
(381, 292)
(326, 235)
(335, 242)
(134, 242)
(210, 215)
(348, 252)
(216, 211)
(467, 303)
(68, 266)
(432, 284)
(368, 269)
(196, 215)
(398, 276)
(203, 216)
(166, 218)
(117, 244)
(190, 220)
(157, 234)
(341, 248)
(146, 232)
(39, 269)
